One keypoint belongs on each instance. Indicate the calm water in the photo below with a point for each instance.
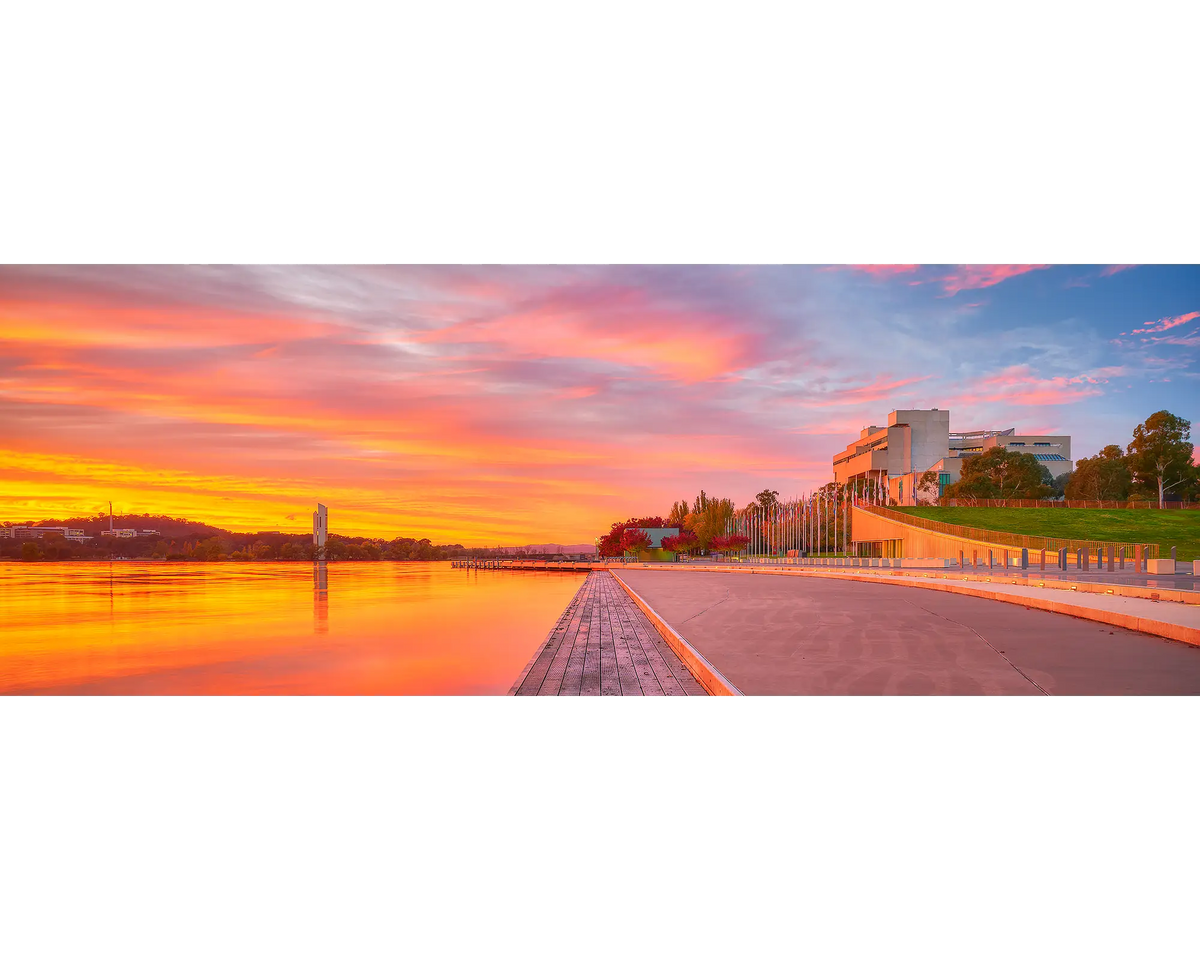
(284, 628)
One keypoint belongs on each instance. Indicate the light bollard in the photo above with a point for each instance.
(1025, 558)
(989, 559)
(1137, 558)
(1111, 551)
(1099, 558)
(1122, 558)
(975, 559)
(1043, 567)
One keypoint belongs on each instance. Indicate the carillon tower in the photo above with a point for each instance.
(320, 529)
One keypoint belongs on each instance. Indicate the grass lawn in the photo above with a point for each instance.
(1167, 528)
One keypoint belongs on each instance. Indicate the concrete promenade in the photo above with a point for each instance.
(860, 634)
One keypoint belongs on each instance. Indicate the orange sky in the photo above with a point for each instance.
(484, 405)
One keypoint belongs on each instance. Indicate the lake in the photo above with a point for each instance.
(271, 628)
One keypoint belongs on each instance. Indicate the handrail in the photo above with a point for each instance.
(1003, 538)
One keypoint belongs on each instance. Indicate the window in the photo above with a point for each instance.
(943, 483)
(1041, 444)
(1020, 444)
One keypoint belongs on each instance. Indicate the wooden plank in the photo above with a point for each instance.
(534, 678)
(668, 670)
(603, 644)
(573, 675)
(647, 681)
(590, 679)
(610, 680)
(627, 677)
(558, 665)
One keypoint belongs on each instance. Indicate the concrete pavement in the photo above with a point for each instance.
(825, 635)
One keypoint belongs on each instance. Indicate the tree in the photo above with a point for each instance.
(925, 491)
(711, 521)
(683, 542)
(1000, 474)
(1160, 456)
(734, 543)
(634, 540)
(30, 551)
(1105, 476)
(678, 514)
(1057, 485)
(767, 500)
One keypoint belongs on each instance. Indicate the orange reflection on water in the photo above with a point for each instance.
(271, 628)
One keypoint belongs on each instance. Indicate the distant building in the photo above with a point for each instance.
(915, 441)
(35, 533)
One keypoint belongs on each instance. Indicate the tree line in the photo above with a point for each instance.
(181, 539)
(1154, 465)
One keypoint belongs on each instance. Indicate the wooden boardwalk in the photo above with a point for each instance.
(603, 645)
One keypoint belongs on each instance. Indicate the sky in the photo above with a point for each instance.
(490, 405)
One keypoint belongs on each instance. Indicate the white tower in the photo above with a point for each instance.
(320, 529)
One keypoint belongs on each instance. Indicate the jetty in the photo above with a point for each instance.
(605, 645)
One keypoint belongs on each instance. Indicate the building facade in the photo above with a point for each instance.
(35, 533)
(917, 441)
(320, 528)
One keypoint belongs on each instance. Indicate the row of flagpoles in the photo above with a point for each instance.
(814, 523)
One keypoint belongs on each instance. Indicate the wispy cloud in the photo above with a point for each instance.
(1167, 323)
(1116, 268)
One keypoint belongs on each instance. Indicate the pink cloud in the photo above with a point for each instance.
(977, 276)
(1167, 323)
(881, 388)
(1116, 268)
(1017, 385)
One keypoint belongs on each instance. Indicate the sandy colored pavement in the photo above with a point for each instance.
(817, 635)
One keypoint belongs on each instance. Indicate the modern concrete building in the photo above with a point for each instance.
(320, 528)
(915, 441)
(36, 533)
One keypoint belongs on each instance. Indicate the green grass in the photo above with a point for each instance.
(1167, 528)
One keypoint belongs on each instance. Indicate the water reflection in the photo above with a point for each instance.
(321, 597)
(229, 628)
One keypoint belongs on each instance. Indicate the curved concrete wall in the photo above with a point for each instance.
(866, 526)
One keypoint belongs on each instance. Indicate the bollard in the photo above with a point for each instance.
(1172, 559)
(989, 559)
(1087, 556)
(1043, 558)
(975, 559)
(1122, 558)
(1137, 558)
(1025, 558)
(1099, 558)
(1111, 551)
(962, 563)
